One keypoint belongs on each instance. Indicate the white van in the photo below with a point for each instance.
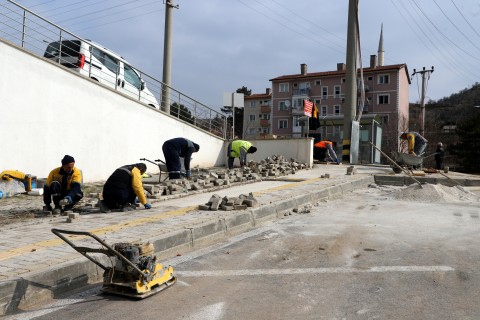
(102, 65)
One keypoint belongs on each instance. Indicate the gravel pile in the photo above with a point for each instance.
(434, 193)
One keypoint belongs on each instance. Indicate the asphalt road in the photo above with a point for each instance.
(362, 257)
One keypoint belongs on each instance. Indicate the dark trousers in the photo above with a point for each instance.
(56, 193)
(172, 160)
(118, 198)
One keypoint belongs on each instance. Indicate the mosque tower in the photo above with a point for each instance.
(381, 58)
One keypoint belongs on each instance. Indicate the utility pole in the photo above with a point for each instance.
(424, 74)
(349, 111)
(167, 56)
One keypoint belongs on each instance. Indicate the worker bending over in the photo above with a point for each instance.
(239, 149)
(123, 186)
(177, 148)
(324, 151)
(416, 143)
(63, 183)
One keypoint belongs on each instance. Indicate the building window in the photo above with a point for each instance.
(336, 110)
(318, 82)
(337, 91)
(266, 130)
(383, 79)
(283, 124)
(324, 110)
(383, 99)
(296, 121)
(370, 78)
(251, 131)
(336, 130)
(324, 92)
(298, 104)
(265, 116)
(283, 87)
(282, 106)
(253, 103)
(344, 80)
(252, 117)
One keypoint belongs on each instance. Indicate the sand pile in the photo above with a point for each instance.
(434, 193)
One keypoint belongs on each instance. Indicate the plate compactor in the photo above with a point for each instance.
(135, 271)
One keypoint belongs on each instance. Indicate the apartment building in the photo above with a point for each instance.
(257, 113)
(386, 102)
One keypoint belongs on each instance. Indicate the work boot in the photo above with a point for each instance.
(103, 207)
(47, 208)
(56, 211)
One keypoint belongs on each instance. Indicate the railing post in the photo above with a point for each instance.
(24, 28)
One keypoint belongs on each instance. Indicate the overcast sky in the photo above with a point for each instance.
(222, 45)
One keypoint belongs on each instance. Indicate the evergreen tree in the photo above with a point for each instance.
(468, 149)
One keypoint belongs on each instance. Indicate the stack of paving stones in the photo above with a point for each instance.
(208, 179)
(241, 202)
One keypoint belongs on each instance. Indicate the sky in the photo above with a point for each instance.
(219, 46)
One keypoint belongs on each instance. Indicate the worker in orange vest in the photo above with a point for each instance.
(325, 151)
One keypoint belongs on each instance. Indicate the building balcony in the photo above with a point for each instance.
(265, 109)
(301, 92)
(298, 111)
(264, 123)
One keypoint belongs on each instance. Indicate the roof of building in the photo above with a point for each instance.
(258, 96)
(340, 72)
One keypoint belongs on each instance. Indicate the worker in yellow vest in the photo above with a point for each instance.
(239, 149)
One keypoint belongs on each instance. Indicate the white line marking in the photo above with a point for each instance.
(259, 272)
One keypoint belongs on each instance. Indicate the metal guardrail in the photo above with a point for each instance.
(30, 31)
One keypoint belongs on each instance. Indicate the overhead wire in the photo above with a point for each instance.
(461, 32)
(310, 21)
(288, 27)
(465, 18)
(299, 25)
(116, 13)
(440, 32)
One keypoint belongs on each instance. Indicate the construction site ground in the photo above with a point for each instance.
(36, 266)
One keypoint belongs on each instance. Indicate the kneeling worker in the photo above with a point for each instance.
(123, 186)
(239, 149)
(177, 148)
(63, 183)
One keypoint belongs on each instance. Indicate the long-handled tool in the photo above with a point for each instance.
(134, 273)
(161, 167)
(396, 164)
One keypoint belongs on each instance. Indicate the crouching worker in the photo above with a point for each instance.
(122, 187)
(324, 151)
(177, 148)
(63, 183)
(239, 149)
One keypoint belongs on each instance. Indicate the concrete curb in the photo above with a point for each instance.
(42, 287)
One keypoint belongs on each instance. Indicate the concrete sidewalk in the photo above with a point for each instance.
(36, 266)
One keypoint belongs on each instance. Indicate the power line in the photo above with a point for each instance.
(465, 18)
(287, 27)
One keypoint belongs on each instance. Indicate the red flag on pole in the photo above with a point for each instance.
(307, 107)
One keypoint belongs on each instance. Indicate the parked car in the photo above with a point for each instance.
(101, 64)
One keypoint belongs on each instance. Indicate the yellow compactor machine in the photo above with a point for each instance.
(134, 270)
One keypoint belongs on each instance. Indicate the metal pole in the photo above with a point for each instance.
(24, 28)
(167, 56)
(233, 117)
(349, 111)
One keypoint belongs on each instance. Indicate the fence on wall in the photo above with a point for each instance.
(39, 36)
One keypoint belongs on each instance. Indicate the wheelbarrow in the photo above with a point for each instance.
(409, 161)
(162, 167)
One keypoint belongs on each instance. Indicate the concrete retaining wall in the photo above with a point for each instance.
(47, 112)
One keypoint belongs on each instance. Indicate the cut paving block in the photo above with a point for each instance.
(240, 207)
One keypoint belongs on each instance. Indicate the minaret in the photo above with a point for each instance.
(380, 49)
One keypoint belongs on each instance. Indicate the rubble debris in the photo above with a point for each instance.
(242, 202)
